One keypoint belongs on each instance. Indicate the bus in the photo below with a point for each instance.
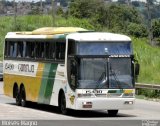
(71, 68)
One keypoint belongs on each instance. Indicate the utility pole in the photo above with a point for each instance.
(53, 15)
(150, 31)
(128, 2)
(41, 6)
(15, 15)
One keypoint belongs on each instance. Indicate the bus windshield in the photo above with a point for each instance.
(104, 48)
(99, 74)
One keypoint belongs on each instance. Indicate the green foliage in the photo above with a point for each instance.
(115, 17)
(84, 8)
(59, 11)
(136, 30)
(156, 28)
(149, 93)
(119, 16)
(35, 11)
(149, 60)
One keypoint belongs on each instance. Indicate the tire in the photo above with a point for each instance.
(62, 105)
(23, 101)
(18, 101)
(112, 112)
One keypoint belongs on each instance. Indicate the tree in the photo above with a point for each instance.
(59, 11)
(84, 8)
(137, 30)
(115, 17)
(156, 28)
(35, 10)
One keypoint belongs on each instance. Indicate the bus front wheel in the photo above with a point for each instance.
(112, 112)
(62, 106)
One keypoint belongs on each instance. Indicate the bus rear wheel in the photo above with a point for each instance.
(62, 105)
(16, 95)
(23, 101)
(112, 112)
(18, 101)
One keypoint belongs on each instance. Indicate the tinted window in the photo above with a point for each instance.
(20, 49)
(30, 50)
(40, 50)
(60, 50)
(12, 49)
(50, 50)
(104, 48)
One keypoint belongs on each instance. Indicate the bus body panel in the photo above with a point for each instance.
(105, 103)
(101, 99)
(38, 88)
(59, 84)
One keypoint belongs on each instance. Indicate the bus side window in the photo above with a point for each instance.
(40, 50)
(50, 50)
(15, 49)
(6, 53)
(60, 50)
(24, 49)
(12, 49)
(20, 49)
(30, 51)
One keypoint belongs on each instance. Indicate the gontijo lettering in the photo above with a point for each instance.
(26, 68)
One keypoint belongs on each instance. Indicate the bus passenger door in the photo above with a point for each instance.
(73, 74)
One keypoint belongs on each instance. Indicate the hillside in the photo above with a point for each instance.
(147, 56)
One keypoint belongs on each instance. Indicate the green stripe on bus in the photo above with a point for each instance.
(47, 83)
(50, 83)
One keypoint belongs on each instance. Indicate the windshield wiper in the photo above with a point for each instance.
(99, 82)
(113, 73)
(103, 75)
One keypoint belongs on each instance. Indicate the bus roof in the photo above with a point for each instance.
(46, 32)
(56, 30)
(98, 36)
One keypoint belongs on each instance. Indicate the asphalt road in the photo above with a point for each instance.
(144, 110)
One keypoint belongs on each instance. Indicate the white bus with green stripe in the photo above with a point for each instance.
(71, 68)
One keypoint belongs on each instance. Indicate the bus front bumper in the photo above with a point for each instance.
(104, 103)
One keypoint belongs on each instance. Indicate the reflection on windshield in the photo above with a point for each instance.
(93, 73)
(120, 73)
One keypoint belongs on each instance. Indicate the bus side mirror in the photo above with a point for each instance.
(137, 69)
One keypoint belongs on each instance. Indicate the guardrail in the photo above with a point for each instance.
(147, 86)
